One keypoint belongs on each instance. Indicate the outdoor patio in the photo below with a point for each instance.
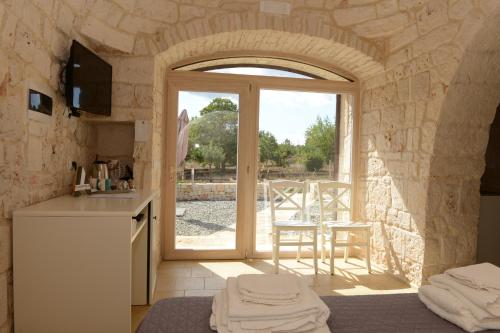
(211, 224)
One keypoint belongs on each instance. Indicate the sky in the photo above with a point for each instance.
(286, 114)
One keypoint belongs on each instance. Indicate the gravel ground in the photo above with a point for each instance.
(206, 217)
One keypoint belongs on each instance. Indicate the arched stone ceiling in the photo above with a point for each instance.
(325, 50)
(361, 30)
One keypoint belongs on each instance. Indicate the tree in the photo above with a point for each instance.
(285, 152)
(320, 141)
(212, 155)
(314, 163)
(219, 104)
(218, 124)
(268, 147)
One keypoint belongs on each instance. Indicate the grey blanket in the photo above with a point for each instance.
(400, 313)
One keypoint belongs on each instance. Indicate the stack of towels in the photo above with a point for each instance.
(268, 303)
(468, 296)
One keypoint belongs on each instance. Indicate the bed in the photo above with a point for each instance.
(399, 313)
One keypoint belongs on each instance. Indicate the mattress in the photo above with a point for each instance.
(398, 313)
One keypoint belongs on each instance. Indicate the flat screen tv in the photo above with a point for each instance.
(88, 82)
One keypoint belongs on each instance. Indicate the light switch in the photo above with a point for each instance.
(142, 130)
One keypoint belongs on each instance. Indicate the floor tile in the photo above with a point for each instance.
(205, 278)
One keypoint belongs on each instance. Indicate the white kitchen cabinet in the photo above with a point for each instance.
(80, 262)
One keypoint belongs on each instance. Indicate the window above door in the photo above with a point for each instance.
(263, 66)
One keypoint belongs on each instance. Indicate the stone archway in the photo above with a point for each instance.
(461, 137)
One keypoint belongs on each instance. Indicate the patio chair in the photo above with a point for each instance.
(286, 197)
(334, 198)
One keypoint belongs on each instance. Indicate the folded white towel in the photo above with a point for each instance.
(308, 303)
(269, 286)
(480, 276)
(267, 301)
(223, 324)
(446, 305)
(466, 322)
(482, 303)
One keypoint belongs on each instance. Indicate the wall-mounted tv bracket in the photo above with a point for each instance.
(62, 89)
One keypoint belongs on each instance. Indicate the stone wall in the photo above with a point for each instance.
(211, 191)
(34, 40)
(401, 108)
(404, 53)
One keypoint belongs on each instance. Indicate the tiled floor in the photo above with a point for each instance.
(205, 278)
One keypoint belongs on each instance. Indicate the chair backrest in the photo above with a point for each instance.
(334, 197)
(287, 195)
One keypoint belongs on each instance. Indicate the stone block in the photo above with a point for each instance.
(123, 95)
(187, 13)
(410, 4)
(60, 45)
(459, 9)
(5, 247)
(77, 5)
(107, 35)
(163, 11)
(432, 15)
(143, 96)
(34, 155)
(65, 18)
(387, 7)
(420, 86)
(370, 122)
(9, 30)
(406, 36)
(354, 15)
(134, 24)
(138, 70)
(382, 27)
(32, 18)
(107, 11)
(435, 38)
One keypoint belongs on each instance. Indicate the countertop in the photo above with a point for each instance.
(86, 205)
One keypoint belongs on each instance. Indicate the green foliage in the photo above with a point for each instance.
(320, 142)
(212, 155)
(268, 147)
(218, 126)
(314, 163)
(219, 104)
(286, 152)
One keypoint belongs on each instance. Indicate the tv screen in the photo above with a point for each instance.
(88, 81)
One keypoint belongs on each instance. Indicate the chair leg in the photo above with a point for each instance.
(299, 248)
(332, 252)
(323, 241)
(277, 252)
(346, 249)
(315, 250)
(368, 260)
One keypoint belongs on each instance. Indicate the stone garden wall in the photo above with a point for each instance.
(211, 191)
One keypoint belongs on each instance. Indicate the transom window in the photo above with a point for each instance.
(264, 66)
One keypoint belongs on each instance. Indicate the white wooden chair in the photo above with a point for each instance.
(334, 199)
(289, 196)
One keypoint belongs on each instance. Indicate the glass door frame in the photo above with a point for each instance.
(174, 86)
(248, 87)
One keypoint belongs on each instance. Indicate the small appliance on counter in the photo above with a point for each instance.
(102, 183)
